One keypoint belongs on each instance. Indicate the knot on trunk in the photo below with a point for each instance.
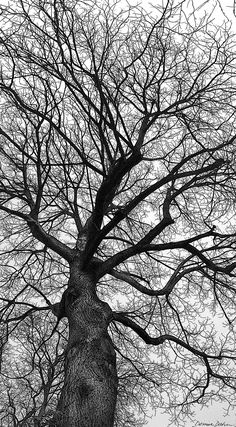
(60, 309)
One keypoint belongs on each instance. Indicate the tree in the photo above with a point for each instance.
(117, 208)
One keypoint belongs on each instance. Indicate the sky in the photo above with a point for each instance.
(214, 414)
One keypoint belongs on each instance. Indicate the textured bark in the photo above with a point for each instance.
(88, 397)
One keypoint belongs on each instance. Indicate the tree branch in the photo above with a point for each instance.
(41, 235)
(126, 321)
(166, 290)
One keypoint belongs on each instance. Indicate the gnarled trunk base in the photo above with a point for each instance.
(88, 398)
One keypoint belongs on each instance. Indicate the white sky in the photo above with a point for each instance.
(213, 415)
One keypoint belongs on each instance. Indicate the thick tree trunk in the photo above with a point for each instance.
(89, 394)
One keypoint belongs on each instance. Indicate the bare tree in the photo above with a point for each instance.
(117, 199)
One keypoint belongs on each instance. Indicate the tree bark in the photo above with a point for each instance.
(88, 397)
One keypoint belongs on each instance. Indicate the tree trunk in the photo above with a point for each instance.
(89, 393)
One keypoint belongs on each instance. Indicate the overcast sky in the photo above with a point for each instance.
(214, 415)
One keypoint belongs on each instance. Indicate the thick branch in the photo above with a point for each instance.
(122, 256)
(166, 290)
(50, 241)
(121, 318)
(124, 211)
(38, 232)
(105, 196)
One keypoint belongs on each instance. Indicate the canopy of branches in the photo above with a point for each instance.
(117, 143)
